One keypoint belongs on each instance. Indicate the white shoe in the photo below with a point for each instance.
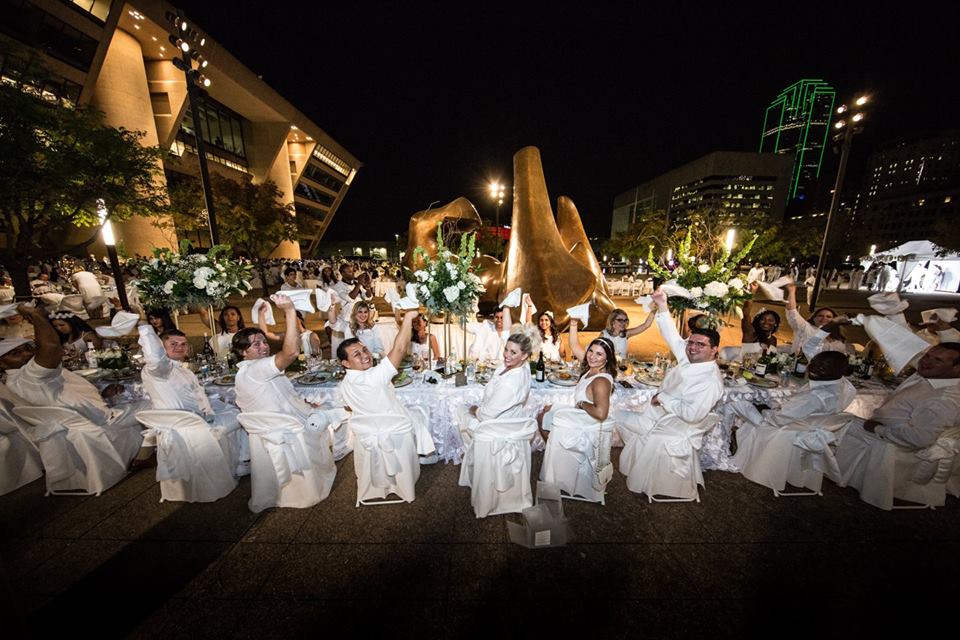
(430, 459)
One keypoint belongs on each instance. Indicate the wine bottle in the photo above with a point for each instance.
(800, 366)
(541, 369)
(208, 353)
(761, 367)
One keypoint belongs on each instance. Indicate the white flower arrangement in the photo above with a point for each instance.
(446, 283)
(174, 280)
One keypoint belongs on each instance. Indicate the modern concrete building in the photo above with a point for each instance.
(797, 123)
(910, 186)
(117, 57)
(739, 181)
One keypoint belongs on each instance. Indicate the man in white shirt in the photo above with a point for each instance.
(351, 288)
(39, 379)
(755, 274)
(290, 280)
(937, 331)
(367, 389)
(691, 389)
(490, 333)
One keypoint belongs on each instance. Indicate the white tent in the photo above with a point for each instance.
(921, 268)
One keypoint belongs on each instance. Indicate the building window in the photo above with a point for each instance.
(49, 87)
(99, 9)
(310, 193)
(321, 177)
(326, 156)
(221, 127)
(36, 28)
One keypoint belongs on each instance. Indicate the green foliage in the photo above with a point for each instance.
(56, 163)
(446, 283)
(174, 280)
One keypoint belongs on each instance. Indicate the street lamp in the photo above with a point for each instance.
(731, 237)
(846, 129)
(183, 34)
(110, 241)
(497, 193)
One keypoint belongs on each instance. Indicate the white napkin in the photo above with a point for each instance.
(898, 344)
(255, 311)
(888, 303)
(947, 315)
(9, 344)
(323, 299)
(8, 310)
(392, 297)
(122, 323)
(672, 289)
(644, 302)
(513, 299)
(581, 312)
(773, 290)
(301, 299)
(412, 291)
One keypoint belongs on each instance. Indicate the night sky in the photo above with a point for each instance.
(435, 99)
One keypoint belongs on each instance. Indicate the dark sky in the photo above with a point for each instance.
(435, 99)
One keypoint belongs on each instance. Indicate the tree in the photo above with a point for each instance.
(58, 167)
(252, 217)
(649, 228)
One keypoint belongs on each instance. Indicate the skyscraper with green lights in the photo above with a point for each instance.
(797, 122)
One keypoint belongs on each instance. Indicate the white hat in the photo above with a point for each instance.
(122, 324)
(300, 298)
(324, 299)
(672, 289)
(947, 315)
(773, 290)
(513, 299)
(255, 311)
(9, 344)
(898, 344)
(581, 312)
(888, 303)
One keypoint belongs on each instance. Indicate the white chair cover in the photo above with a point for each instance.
(290, 465)
(882, 471)
(775, 457)
(19, 459)
(193, 460)
(384, 458)
(77, 455)
(577, 458)
(496, 466)
(665, 458)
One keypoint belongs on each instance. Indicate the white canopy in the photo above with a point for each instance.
(916, 250)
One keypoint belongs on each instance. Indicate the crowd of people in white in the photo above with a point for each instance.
(914, 418)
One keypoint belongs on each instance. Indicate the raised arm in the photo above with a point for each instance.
(262, 323)
(154, 355)
(291, 336)
(790, 302)
(575, 348)
(507, 321)
(401, 344)
(667, 329)
(746, 327)
(526, 309)
(49, 350)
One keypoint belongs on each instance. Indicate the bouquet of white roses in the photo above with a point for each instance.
(713, 288)
(174, 280)
(111, 358)
(445, 284)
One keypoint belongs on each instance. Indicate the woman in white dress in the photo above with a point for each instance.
(616, 332)
(362, 325)
(309, 341)
(550, 344)
(230, 322)
(821, 332)
(506, 393)
(595, 387)
(74, 333)
(423, 344)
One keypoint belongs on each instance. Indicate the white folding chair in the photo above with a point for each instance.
(797, 456)
(577, 458)
(496, 466)
(290, 465)
(664, 460)
(883, 472)
(384, 458)
(78, 455)
(19, 459)
(193, 459)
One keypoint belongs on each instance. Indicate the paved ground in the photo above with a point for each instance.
(739, 563)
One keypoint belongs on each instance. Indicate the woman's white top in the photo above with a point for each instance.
(222, 343)
(810, 339)
(305, 347)
(422, 350)
(580, 393)
(550, 350)
(505, 394)
(619, 343)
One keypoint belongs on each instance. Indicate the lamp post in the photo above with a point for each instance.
(846, 128)
(729, 240)
(497, 193)
(111, 243)
(183, 34)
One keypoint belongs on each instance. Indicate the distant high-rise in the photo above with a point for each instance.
(797, 122)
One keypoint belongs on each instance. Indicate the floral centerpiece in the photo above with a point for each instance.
(713, 288)
(175, 280)
(446, 284)
(114, 358)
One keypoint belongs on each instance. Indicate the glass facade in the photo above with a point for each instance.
(15, 72)
(36, 28)
(315, 195)
(222, 128)
(321, 177)
(99, 9)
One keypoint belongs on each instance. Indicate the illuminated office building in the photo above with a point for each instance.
(116, 56)
(797, 124)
